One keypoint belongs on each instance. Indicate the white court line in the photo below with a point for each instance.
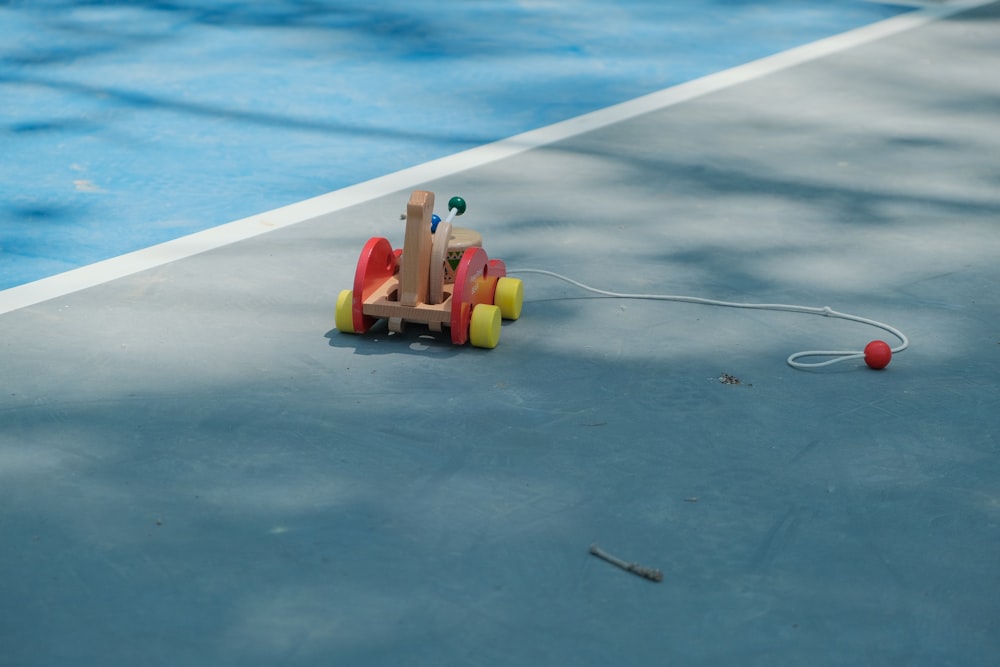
(105, 271)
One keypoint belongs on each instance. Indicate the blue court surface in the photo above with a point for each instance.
(125, 124)
(199, 465)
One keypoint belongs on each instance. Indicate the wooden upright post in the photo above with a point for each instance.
(415, 269)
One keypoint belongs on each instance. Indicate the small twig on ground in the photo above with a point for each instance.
(634, 568)
(726, 378)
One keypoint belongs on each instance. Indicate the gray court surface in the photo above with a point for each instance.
(197, 469)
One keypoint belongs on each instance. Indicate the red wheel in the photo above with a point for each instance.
(376, 264)
(475, 282)
(497, 268)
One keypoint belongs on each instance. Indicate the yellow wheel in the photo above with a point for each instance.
(509, 297)
(484, 329)
(344, 317)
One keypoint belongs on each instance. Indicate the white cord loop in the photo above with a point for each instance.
(837, 355)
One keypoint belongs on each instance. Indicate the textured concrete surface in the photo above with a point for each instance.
(195, 468)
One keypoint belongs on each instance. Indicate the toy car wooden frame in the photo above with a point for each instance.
(411, 284)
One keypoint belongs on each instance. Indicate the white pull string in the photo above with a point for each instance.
(793, 360)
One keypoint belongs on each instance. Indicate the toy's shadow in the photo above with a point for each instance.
(414, 339)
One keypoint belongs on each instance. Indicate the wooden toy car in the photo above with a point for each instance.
(441, 277)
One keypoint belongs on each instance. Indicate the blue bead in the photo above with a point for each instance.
(435, 219)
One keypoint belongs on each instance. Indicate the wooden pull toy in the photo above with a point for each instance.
(441, 277)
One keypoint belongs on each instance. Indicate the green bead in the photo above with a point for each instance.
(457, 203)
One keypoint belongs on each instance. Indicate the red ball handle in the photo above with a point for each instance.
(878, 354)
